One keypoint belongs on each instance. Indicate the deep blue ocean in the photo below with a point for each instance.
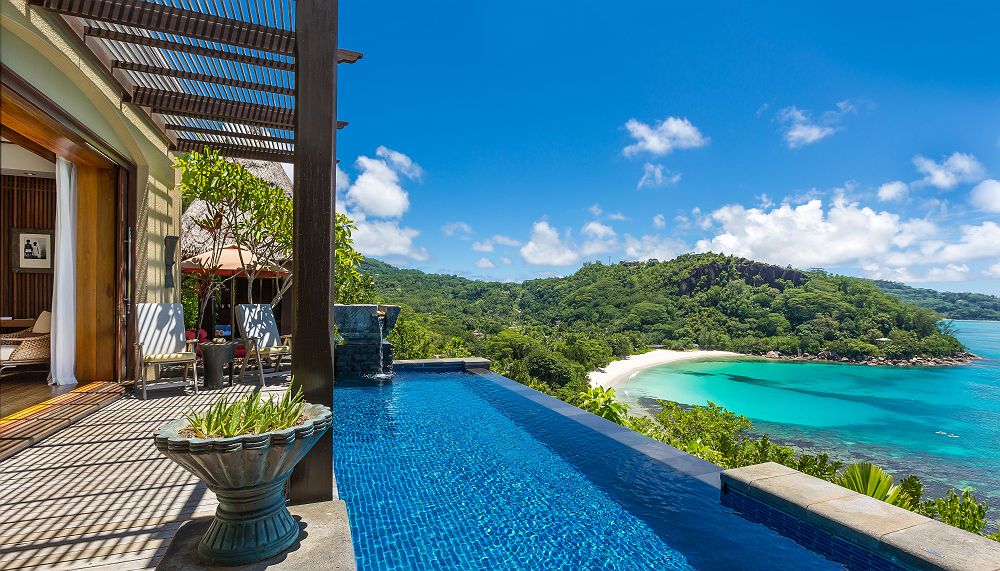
(941, 423)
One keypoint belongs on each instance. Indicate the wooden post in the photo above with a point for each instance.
(315, 195)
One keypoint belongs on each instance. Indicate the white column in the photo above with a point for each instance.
(64, 277)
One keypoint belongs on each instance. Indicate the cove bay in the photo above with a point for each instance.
(941, 423)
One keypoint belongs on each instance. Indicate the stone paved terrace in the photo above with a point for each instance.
(98, 495)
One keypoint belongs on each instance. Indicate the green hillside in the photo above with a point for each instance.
(950, 304)
(549, 332)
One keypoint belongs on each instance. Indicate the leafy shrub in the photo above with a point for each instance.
(853, 349)
(964, 512)
(552, 368)
(602, 402)
(819, 466)
(871, 480)
(251, 414)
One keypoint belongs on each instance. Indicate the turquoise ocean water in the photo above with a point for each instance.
(942, 423)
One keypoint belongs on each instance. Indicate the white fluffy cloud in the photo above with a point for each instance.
(460, 230)
(547, 248)
(993, 271)
(802, 129)
(882, 244)
(601, 239)
(377, 190)
(804, 235)
(659, 221)
(485, 263)
(977, 242)
(654, 175)
(895, 190)
(617, 216)
(387, 238)
(661, 138)
(375, 195)
(400, 162)
(948, 273)
(489, 244)
(946, 175)
(506, 240)
(986, 195)
(595, 210)
(506, 261)
(653, 246)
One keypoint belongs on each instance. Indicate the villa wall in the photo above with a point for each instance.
(33, 46)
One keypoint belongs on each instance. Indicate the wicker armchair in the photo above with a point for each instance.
(29, 350)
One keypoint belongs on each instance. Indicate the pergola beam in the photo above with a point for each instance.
(202, 77)
(177, 128)
(179, 21)
(92, 32)
(230, 134)
(343, 56)
(225, 110)
(237, 151)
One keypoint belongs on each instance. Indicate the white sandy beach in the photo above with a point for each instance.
(617, 372)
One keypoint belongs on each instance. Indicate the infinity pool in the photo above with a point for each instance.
(462, 471)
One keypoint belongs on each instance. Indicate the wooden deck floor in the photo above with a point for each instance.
(98, 495)
(33, 424)
(19, 391)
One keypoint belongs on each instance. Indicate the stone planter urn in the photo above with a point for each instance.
(248, 475)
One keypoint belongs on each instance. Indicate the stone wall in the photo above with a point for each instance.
(361, 359)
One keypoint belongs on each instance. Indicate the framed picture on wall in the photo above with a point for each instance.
(31, 250)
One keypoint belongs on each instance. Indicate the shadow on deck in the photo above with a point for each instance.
(98, 495)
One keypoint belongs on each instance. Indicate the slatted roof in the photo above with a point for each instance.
(217, 73)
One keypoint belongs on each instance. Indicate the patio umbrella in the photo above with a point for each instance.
(229, 265)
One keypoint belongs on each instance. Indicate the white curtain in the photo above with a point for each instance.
(64, 277)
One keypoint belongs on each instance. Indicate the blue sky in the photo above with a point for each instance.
(521, 139)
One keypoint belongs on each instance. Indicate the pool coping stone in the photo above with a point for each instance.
(890, 531)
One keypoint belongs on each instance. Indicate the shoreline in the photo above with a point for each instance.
(616, 373)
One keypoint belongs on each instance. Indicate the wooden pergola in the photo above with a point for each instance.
(224, 74)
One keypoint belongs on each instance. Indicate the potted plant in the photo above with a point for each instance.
(245, 451)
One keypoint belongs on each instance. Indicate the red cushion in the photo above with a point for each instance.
(240, 351)
(189, 334)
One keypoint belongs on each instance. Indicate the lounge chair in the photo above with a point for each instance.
(31, 347)
(264, 344)
(162, 342)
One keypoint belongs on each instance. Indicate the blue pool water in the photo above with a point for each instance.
(460, 471)
(942, 423)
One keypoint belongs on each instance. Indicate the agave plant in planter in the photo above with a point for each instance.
(245, 451)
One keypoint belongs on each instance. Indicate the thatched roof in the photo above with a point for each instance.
(194, 240)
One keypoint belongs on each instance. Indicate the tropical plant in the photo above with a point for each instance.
(264, 231)
(819, 466)
(602, 402)
(962, 511)
(211, 181)
(250, 414)
(871, 480)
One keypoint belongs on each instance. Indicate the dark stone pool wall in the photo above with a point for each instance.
(356, 359)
